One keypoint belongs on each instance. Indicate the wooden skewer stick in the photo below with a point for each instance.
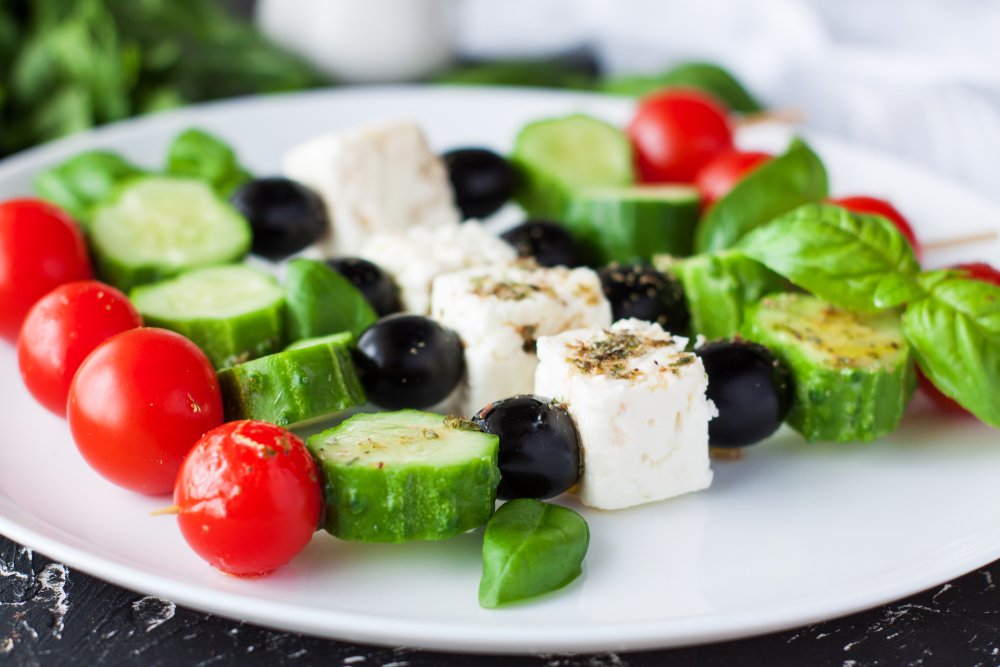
(172, 509)
(968, 239)
(789, 116)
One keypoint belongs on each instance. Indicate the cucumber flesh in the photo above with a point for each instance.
(718, 288)
(557, 156)
(310, 380)
(158, 227)
(406, 475)
(233, 313)
(628, 224)
(853, 373)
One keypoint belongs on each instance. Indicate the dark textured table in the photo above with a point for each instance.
(52, 615)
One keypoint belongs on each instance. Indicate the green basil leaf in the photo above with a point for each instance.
(858, 262)
(718, 287)
(197, 154)
(797, 177)
(955, 335)
(706, 77)
(79, 184)
(323, 302)
(530, 548)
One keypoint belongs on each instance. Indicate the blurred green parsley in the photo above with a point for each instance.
(67, 65)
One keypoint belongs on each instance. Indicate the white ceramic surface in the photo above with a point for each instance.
(792, 534)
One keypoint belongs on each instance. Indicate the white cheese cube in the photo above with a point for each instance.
(377, 178)
(499, 311)
(416, 256)
(638, 401)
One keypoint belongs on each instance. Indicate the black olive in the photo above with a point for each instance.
(377, 286)
(285, 216)
(409, 361)
(539, 446)
(482, 180)
(642, 292)
(751, 388)
(548, 242)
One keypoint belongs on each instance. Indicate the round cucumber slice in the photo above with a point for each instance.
(159, 226)
(308, 381)
(557, 156)
(406, 475)
(233, 313)
(853, 373)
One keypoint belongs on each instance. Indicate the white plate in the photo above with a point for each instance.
(793, 534)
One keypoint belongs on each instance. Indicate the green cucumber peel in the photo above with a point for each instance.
(530, 548)
(81, 183)
(323, 302)
(706, 77)
(776, 187)
(858, 262)
(955, 335)
(195, 153)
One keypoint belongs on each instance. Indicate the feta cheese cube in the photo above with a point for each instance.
(639, 404)
(416, 256)
(499, 311)
(378, 178)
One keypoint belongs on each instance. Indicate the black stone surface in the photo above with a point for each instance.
(52, 615)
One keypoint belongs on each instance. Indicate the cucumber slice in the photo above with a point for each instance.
(853, 373)
(633, 223)
(309, 380)
(322, 302)
(406, 475)
(718, 287)
(557, 156)
(158, 227)
(233, 313)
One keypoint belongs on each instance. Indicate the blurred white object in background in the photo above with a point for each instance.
(364, 40)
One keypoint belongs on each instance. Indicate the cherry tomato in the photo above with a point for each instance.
(138, 404)
(62, 329)
(248, 497)
(724, 171)
(974, 271)
(675, 133)
(40, 249)
(861, 204)
(980, 271)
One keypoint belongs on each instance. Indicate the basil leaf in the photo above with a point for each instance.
(197, 154)
(322, 302)
(706, 77)
(530, 548)
(955, 335)
(718, 287)
(81, 183)
(858, 262)
(797, 177)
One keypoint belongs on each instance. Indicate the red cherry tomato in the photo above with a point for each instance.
(40, 249)
(980, 271)
(861, 204)
(62, 329)
(675, 133)
(724, 171)
(138, 404)
(248, 497)
(974, 271)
